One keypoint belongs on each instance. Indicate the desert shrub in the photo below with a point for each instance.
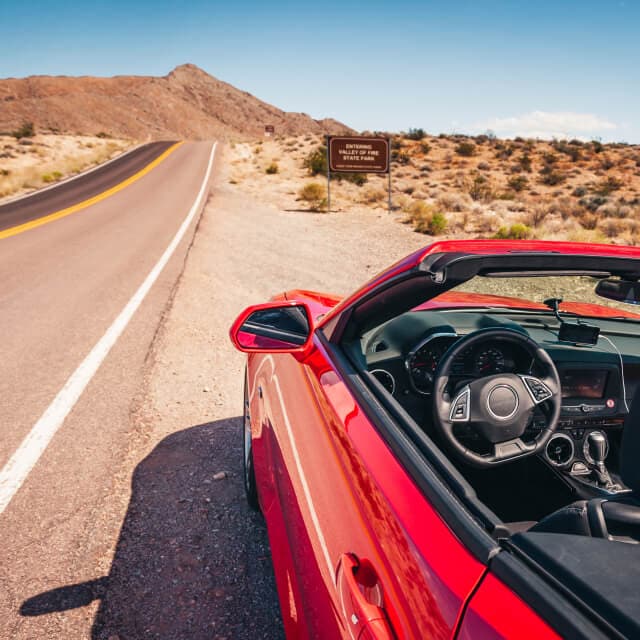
(102, 134)
(408, 190)
(466, 149)
(516, 231)
(607, 163)
(425, 147)
(587, 219)
(611, 227)
(400, 157)
(26, 130)
(484, 166)
(518, 183)
(607, 186)
(5, 172)
(550, 176)
(525, 162)
(314, 194)
(535, 216)
(592, 203)
(579, 192)
(415, 134)
(356, 178)
(597, 146)
(568, 149)
(271, 169)
(371, 196)
(452, 202)
(480, 188)
(316, 162)
(426, 219)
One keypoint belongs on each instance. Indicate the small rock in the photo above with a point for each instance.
(221, 475)
(206, 390)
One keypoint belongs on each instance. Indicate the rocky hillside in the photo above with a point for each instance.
(187, 103)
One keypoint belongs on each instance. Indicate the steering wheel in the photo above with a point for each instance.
(497, 407)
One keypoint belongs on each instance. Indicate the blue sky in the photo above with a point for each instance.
(530, 68)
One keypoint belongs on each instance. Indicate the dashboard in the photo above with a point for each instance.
(404, 354)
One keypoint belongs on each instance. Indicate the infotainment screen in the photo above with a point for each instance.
(583, 384)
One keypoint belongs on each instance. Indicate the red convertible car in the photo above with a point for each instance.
(453, 451)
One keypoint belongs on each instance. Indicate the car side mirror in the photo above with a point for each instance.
(627, 291)
(272, 327)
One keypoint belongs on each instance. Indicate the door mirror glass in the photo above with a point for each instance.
(274, 328)
(626, 291)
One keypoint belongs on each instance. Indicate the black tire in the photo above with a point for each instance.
(250, 488)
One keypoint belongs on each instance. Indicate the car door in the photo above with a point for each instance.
(359, 551)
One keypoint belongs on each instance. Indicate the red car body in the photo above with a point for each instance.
(336, 494)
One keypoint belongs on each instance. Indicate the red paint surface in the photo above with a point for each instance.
(495, 612)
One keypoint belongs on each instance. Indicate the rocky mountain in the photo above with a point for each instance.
(188, 103)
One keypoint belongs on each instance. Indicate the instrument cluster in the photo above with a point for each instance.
(488, 359)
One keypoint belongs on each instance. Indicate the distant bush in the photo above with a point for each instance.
(518, 183)
(480, 188)
(579, 192)
(26, 130)
(272, 168)
(425, 147)
(525, 162)
(102, 134)
(466, 149)
(314, 194)
(597, 146)
(607, 186)
(568, 148)
(426, 219)
(516, 231)
(415, 134)
(400, 157)
(316, 161)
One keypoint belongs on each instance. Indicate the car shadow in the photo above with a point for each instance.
(192, 559)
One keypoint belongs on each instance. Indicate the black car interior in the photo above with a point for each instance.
(570, 464)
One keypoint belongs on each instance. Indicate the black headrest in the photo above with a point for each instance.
(630, 448)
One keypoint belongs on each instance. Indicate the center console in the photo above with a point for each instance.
(590, 426)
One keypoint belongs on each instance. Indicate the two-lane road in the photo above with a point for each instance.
(62, 286)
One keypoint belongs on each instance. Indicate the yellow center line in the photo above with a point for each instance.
(38, 222)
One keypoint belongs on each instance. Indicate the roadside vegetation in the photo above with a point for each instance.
(30, 160)
(462, 186)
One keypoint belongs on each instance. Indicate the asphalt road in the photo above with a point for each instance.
(81, 188)
(61, 287)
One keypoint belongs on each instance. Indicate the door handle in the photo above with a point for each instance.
(362, 599)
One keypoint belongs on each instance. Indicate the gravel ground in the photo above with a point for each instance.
(192, 560)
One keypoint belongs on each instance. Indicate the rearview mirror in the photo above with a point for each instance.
(627, 291)
(272, 327)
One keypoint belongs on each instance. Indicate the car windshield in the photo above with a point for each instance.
(530, 292)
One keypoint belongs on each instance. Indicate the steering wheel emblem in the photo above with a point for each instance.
(502, 402)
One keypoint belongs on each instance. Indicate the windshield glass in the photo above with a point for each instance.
(529, 292)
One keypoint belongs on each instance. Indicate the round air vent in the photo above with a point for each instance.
(559, 450)
(385, 379)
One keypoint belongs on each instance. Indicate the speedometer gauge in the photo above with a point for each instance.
(489, 361)
(422, 366)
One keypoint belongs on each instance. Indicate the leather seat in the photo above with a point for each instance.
(615, 517)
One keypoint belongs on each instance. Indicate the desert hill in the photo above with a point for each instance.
(187, 103)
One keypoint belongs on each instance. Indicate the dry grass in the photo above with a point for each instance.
(50, 158)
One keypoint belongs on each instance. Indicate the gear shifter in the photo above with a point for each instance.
(597, 443)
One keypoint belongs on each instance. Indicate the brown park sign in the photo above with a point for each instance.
(358, 154)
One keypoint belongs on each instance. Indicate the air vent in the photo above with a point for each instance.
(559, 450)
(380, 346)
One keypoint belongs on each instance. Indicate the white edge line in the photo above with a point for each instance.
(296, 459)
(14, 473)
